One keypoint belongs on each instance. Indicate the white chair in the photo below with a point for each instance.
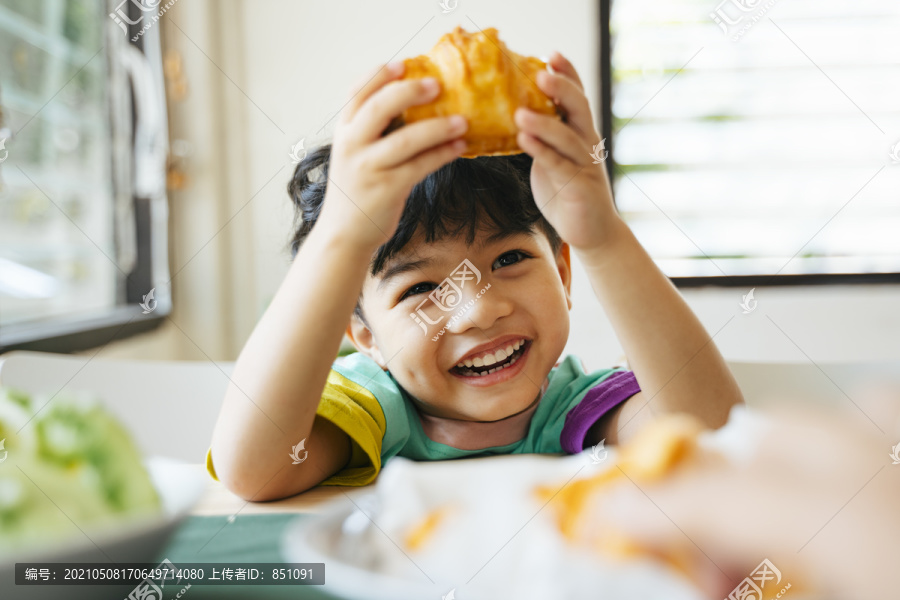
(870, 392)
(764, 382)
(169, 406)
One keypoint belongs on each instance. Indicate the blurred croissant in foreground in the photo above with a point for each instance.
(806, 503)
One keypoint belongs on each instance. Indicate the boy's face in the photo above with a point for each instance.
(528, 299)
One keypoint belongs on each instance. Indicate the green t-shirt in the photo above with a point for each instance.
(382, 422)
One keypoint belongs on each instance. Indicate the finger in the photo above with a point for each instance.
(561, 64)
(679, 523)
(736, 510)
(413, 139)
(877, 397)
(368, 85)
(571, 97)
(431, 160)
(554, 133)
(546, 155)
(378, 110)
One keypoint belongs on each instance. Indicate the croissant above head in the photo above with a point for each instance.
(485, 82)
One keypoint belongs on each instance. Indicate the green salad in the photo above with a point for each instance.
(71, 467)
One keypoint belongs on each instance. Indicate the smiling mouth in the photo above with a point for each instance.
(509, 361)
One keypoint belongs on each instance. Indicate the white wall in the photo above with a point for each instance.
(265, 74)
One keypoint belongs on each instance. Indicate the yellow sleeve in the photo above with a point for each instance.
(209, 466)
(356, 411)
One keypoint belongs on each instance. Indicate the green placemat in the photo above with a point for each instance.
(250, 538)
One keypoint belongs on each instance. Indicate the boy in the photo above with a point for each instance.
(474, 238)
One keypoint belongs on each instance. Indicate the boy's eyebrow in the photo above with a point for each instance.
(403, 267)
(499, 236)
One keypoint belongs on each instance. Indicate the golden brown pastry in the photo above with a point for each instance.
(655, 451)
(658, 449)
(485, 82)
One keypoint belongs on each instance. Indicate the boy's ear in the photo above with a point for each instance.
(361, 337)
(564, 264)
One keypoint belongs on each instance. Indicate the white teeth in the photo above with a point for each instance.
(492, 358)
(472, 373)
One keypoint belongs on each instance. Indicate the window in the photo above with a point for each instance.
(82, 238)
(757, 141)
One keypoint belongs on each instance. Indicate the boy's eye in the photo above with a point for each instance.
(419, 288)
(510, 258)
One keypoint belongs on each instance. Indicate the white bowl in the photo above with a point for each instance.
(498, 529)
(179, 485)
(315, 539)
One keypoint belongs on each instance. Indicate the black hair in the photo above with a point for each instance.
(488, 192)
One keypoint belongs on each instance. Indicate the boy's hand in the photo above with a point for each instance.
(571, 191)
(370, 176)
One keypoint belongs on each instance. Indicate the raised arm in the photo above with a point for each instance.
(673, 358)
(270, 404)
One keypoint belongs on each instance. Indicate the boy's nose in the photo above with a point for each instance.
(479, 309)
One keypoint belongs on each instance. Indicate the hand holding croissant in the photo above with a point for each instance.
(514, 103)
